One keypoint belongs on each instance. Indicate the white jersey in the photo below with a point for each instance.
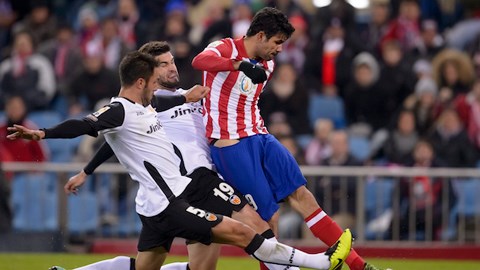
(184, 127)
(142, 147)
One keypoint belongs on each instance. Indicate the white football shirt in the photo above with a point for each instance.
(185, 128)
(142, 147)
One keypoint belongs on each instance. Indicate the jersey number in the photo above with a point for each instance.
(224, 192)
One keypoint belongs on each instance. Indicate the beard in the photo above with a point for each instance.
(171, 85)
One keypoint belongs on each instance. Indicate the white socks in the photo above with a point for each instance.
(117, 263)
(278, 253)
(175, 266)
(272, 266)
(123, 263)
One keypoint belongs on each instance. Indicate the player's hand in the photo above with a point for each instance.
(75, 182)
(196, 93)
(256, 73)
(21, 132)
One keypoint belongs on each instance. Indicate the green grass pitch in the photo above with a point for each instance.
(32, 261)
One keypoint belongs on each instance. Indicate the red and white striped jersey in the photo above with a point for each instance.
(231, 108)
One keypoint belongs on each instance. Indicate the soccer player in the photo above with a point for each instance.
(243, 151)
(137, 138)
(184, 127)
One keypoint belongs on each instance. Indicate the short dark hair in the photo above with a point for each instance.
(155, 48)
(271, 21)
(136, 65)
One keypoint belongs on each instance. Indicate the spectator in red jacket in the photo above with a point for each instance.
(20, 150)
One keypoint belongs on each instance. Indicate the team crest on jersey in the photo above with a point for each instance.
(234, 199)
(214, 44)
(246, 85)
(210, 217)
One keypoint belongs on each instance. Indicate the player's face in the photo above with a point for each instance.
(151, 86)
(269, 48)
(169, 78)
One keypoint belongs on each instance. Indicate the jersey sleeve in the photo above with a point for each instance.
(215, 57)
(102, 155)
(108, 117)
(162, 103)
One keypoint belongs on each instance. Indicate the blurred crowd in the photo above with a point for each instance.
(395, 83)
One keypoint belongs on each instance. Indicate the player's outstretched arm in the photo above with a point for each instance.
(68, 129)
(21, 132)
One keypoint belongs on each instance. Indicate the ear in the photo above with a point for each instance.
(260, 36)
(140, 83)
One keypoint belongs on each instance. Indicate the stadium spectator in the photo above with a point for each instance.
(401, 140)
(468, 108)
(108, 43)
(365, 101)
(64, 55)
(330, 57)
(127, 18)
(424, 105)
(454, 73)
(451, 143)
(337, 193)
(431, 42)
(40, 22)
(286, 93)
(294, 48)
(28, 74)
(375, 28)
(319, 147)
(396, 77)
(93, 84)
(7, 19)
(427, 194)
(21, 150)
(405, 28)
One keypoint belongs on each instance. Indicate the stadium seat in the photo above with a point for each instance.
(359, 147)
(327, 107)
(34, 202)
(83, 212)
(378, 200)
(61, 150)
(2, 116)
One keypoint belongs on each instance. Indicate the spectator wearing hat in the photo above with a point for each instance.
(365, 101)
(424, 104)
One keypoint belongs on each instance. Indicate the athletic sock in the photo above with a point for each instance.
(327, 230)
(117, 263)
(278, 253)
(176, 266)
(269, 235)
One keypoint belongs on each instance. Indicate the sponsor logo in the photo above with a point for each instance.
(94, 116)
(210, 217)
(185, 111)
(235, 200)
(154, 127)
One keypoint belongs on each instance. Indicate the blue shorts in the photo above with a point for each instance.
(262, 169)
